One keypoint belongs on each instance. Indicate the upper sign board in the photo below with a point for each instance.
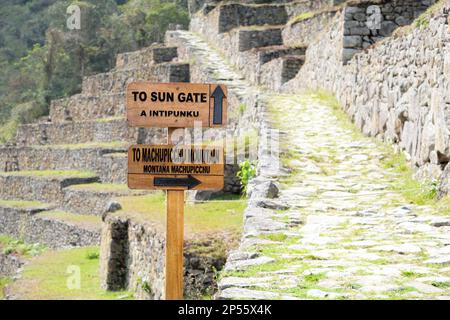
(176, 105)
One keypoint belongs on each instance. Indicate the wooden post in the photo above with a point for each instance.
(174, 240)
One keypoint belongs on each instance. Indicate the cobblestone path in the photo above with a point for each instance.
(343, 226)
(347, 232)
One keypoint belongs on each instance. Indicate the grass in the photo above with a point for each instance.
(51, 173)
(412, 190)
(101, 187)
(20, 203)
(302, 16)
(79, 219)
(4, 281)
(223, 214)
(422, 21)
(47, 277)
(9, 245)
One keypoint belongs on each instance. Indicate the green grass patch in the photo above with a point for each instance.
(413, 191)
(300, 17)
(51, 173)
(280, 237)
(53, 276)
(101, 187)
(327, 98)
(20, 203)
(221, 214)
(10, 245)
(411, 274)
(108, 119)
(4, 281)
(79, 219)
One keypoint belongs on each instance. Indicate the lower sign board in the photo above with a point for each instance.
(178, 167)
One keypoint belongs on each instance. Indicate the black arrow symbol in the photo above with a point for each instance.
(189, 182)
(218, 96)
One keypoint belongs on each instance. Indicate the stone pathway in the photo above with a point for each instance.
(346, 234)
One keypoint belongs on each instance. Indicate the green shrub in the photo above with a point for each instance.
(246, 172)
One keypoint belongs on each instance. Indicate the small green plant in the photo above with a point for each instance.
(13, 246)
(246, 172)
(92, 255)
(145, 286)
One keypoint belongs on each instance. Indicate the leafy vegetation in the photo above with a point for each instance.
(14, 246)
(41, 59)
(247, 171)
(4, 281)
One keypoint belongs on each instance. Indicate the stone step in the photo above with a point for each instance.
(76, 132)
(46, 186)
(36, 222)
(226, 17)
(250, 38)
(147, 56)
(277, 72)
(81, 107)
(115, 81)
(82, 157)
(95, 198)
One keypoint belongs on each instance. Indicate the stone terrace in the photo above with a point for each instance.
(74, 162)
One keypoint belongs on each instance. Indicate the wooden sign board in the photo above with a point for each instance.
(169, 167)
(176, 105)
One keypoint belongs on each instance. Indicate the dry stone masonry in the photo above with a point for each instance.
(328, 224)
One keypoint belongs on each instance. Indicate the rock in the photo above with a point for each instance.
(241, 293)
(442, 261)
(352, 42)
(444, 183)
(423, 287)
(387, 27)
(260, 188)
(229, 282)
(319, 294)
(113, 206)
(401, 248)
(242, 264)
(270, 204)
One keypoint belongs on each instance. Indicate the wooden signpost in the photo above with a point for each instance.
(175, 168)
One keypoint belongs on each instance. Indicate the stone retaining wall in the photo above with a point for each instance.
(85, 159)
(9, 264)
(115, 81)
(132, 258)
(367, 22)
(45, 189)
(26, 224)
(303, 31)
(142, 58)
(398, 90)
(80, 107)
(90, 201)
